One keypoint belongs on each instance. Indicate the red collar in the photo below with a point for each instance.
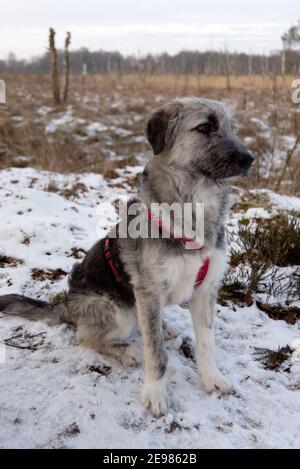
(193, 245)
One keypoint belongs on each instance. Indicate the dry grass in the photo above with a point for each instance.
(102, 370)
(290, 314)
(8, 261)
(168, 83)
(49, 274)
(282, 232)
(260, 253)
(274, 359)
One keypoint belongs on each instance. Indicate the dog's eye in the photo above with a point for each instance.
(203, 128)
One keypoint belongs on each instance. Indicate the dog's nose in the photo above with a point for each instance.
(239, 154)
(245, 159)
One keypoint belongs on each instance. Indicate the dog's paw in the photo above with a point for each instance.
(154, 397)
(216, 382)
(132, 356)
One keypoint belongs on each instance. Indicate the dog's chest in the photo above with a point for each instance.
(182, 273)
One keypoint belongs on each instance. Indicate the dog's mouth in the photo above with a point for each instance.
(238, 174)
(245, 162)
(243, 171)
(246, 172)
(232, 173)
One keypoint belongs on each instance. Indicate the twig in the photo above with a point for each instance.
(24, 347)
(66, 67)
(36, 335)
(19, 335)
(13, 337)
(289, 156)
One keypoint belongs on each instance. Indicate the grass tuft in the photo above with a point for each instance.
(261, 252)
(273, 359)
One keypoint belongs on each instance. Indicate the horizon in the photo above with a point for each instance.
(143, 27)
(140, 55)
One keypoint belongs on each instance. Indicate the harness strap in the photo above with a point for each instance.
(107, 255)
(202, 272)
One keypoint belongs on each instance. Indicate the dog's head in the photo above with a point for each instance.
(198, 135)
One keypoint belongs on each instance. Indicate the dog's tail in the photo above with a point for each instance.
(34, 310)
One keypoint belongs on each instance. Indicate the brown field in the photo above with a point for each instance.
(268, 122)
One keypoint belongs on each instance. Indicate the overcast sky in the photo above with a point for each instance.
(140, 26)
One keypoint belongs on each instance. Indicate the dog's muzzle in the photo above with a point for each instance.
(239, 155)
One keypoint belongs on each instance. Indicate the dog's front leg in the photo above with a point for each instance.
(202, 307)
(154, 394)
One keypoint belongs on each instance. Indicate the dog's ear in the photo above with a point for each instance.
(160, 128)
(156, 130)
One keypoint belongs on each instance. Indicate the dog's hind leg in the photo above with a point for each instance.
(110, 343)
(103, 326)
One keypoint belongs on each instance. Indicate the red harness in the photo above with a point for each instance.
(202, 272)
(107, 255)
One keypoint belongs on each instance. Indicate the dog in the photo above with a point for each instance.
(128, 281)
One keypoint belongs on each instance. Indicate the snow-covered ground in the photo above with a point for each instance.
(55, 394)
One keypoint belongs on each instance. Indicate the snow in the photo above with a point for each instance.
(296, 354)
(44, 110)
(17, 118)
(257, 212)
(95, 127)
(21, 159)
(289, 141)
(65, 120)
(46, 393)
(279, 201)
(120, 132)
(283, 202)
(260, 123)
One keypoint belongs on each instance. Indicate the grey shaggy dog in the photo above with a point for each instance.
(195, 151)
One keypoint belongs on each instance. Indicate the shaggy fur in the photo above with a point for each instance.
(195, 151)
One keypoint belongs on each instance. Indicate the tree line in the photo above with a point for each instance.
(182, 63)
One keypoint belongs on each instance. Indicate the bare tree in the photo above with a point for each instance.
(228, 69)
(283, 56)
(84, 74)
(54, 70)
(289, 39)
(66, 67)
